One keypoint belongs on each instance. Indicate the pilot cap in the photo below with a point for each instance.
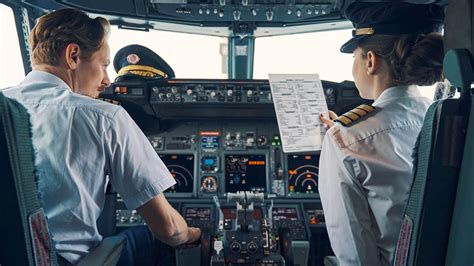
(391, 19)
(136, 61)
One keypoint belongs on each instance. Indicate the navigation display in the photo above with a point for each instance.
(181, 167)
(245, 172)
(303, 174)
(197, 213)
(284, 213)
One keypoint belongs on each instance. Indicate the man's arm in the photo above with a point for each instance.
(166, 223)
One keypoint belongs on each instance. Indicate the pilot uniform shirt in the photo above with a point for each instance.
(78, 142)
(365, 175)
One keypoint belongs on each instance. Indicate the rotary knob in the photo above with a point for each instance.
(252, 247)
(230, 93)
(235, 247)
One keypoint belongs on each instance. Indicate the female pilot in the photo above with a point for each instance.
(366, 167)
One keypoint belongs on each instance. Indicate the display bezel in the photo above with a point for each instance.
(195, 176)
(184, 207)
(298, 208)
(267, 168)
(287, 177)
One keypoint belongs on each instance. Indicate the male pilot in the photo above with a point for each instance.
(79, 140)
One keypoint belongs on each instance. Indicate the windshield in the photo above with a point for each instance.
(11, 64)
(201, 56)
(316, 52)
(190, 55)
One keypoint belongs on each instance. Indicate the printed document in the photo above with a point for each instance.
(298, 101)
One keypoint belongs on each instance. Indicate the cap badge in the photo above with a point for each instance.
(133, 59)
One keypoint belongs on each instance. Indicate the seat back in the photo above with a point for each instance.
(427, 228)
(459, 62)
(25, 236)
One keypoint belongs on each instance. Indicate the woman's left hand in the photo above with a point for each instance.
(328, 122)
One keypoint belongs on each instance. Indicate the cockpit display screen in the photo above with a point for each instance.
(284, 213)
(303, 174)
(181, 167)
(210, 142)
(245, 172)
(197, 213)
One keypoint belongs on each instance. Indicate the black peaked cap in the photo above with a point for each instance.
(391, 18)
(137, 61)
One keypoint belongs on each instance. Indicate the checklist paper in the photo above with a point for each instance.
(298, 101)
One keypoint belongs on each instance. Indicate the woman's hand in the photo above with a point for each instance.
(328, 122)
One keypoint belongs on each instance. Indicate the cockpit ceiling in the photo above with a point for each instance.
(215, 17)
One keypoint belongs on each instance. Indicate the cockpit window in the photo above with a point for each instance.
(190, 55)
(201, 56)
(11, 64)
(316, 52)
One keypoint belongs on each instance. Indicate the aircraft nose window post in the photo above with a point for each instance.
(267, 159)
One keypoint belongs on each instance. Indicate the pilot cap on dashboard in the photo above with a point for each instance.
(391, 19)
(136, 61)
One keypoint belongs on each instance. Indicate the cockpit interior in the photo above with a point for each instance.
(220, 139)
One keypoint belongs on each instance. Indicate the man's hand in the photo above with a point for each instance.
(193, 235)
(328, 122)
(166, 223)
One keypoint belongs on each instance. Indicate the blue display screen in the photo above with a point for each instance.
(209, 161)
(210, 142)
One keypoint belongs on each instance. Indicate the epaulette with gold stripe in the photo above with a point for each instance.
(354, 114)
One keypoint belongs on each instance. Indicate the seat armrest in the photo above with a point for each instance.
(106, 253)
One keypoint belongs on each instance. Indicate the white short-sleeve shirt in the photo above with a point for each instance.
(78, 141)
(365, 174)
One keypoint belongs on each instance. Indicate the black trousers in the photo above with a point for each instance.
(142, 248)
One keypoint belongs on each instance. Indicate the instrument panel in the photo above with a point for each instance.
(249, 158)
(221, 136)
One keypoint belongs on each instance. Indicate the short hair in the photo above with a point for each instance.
(413, 59)
(56, 30)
